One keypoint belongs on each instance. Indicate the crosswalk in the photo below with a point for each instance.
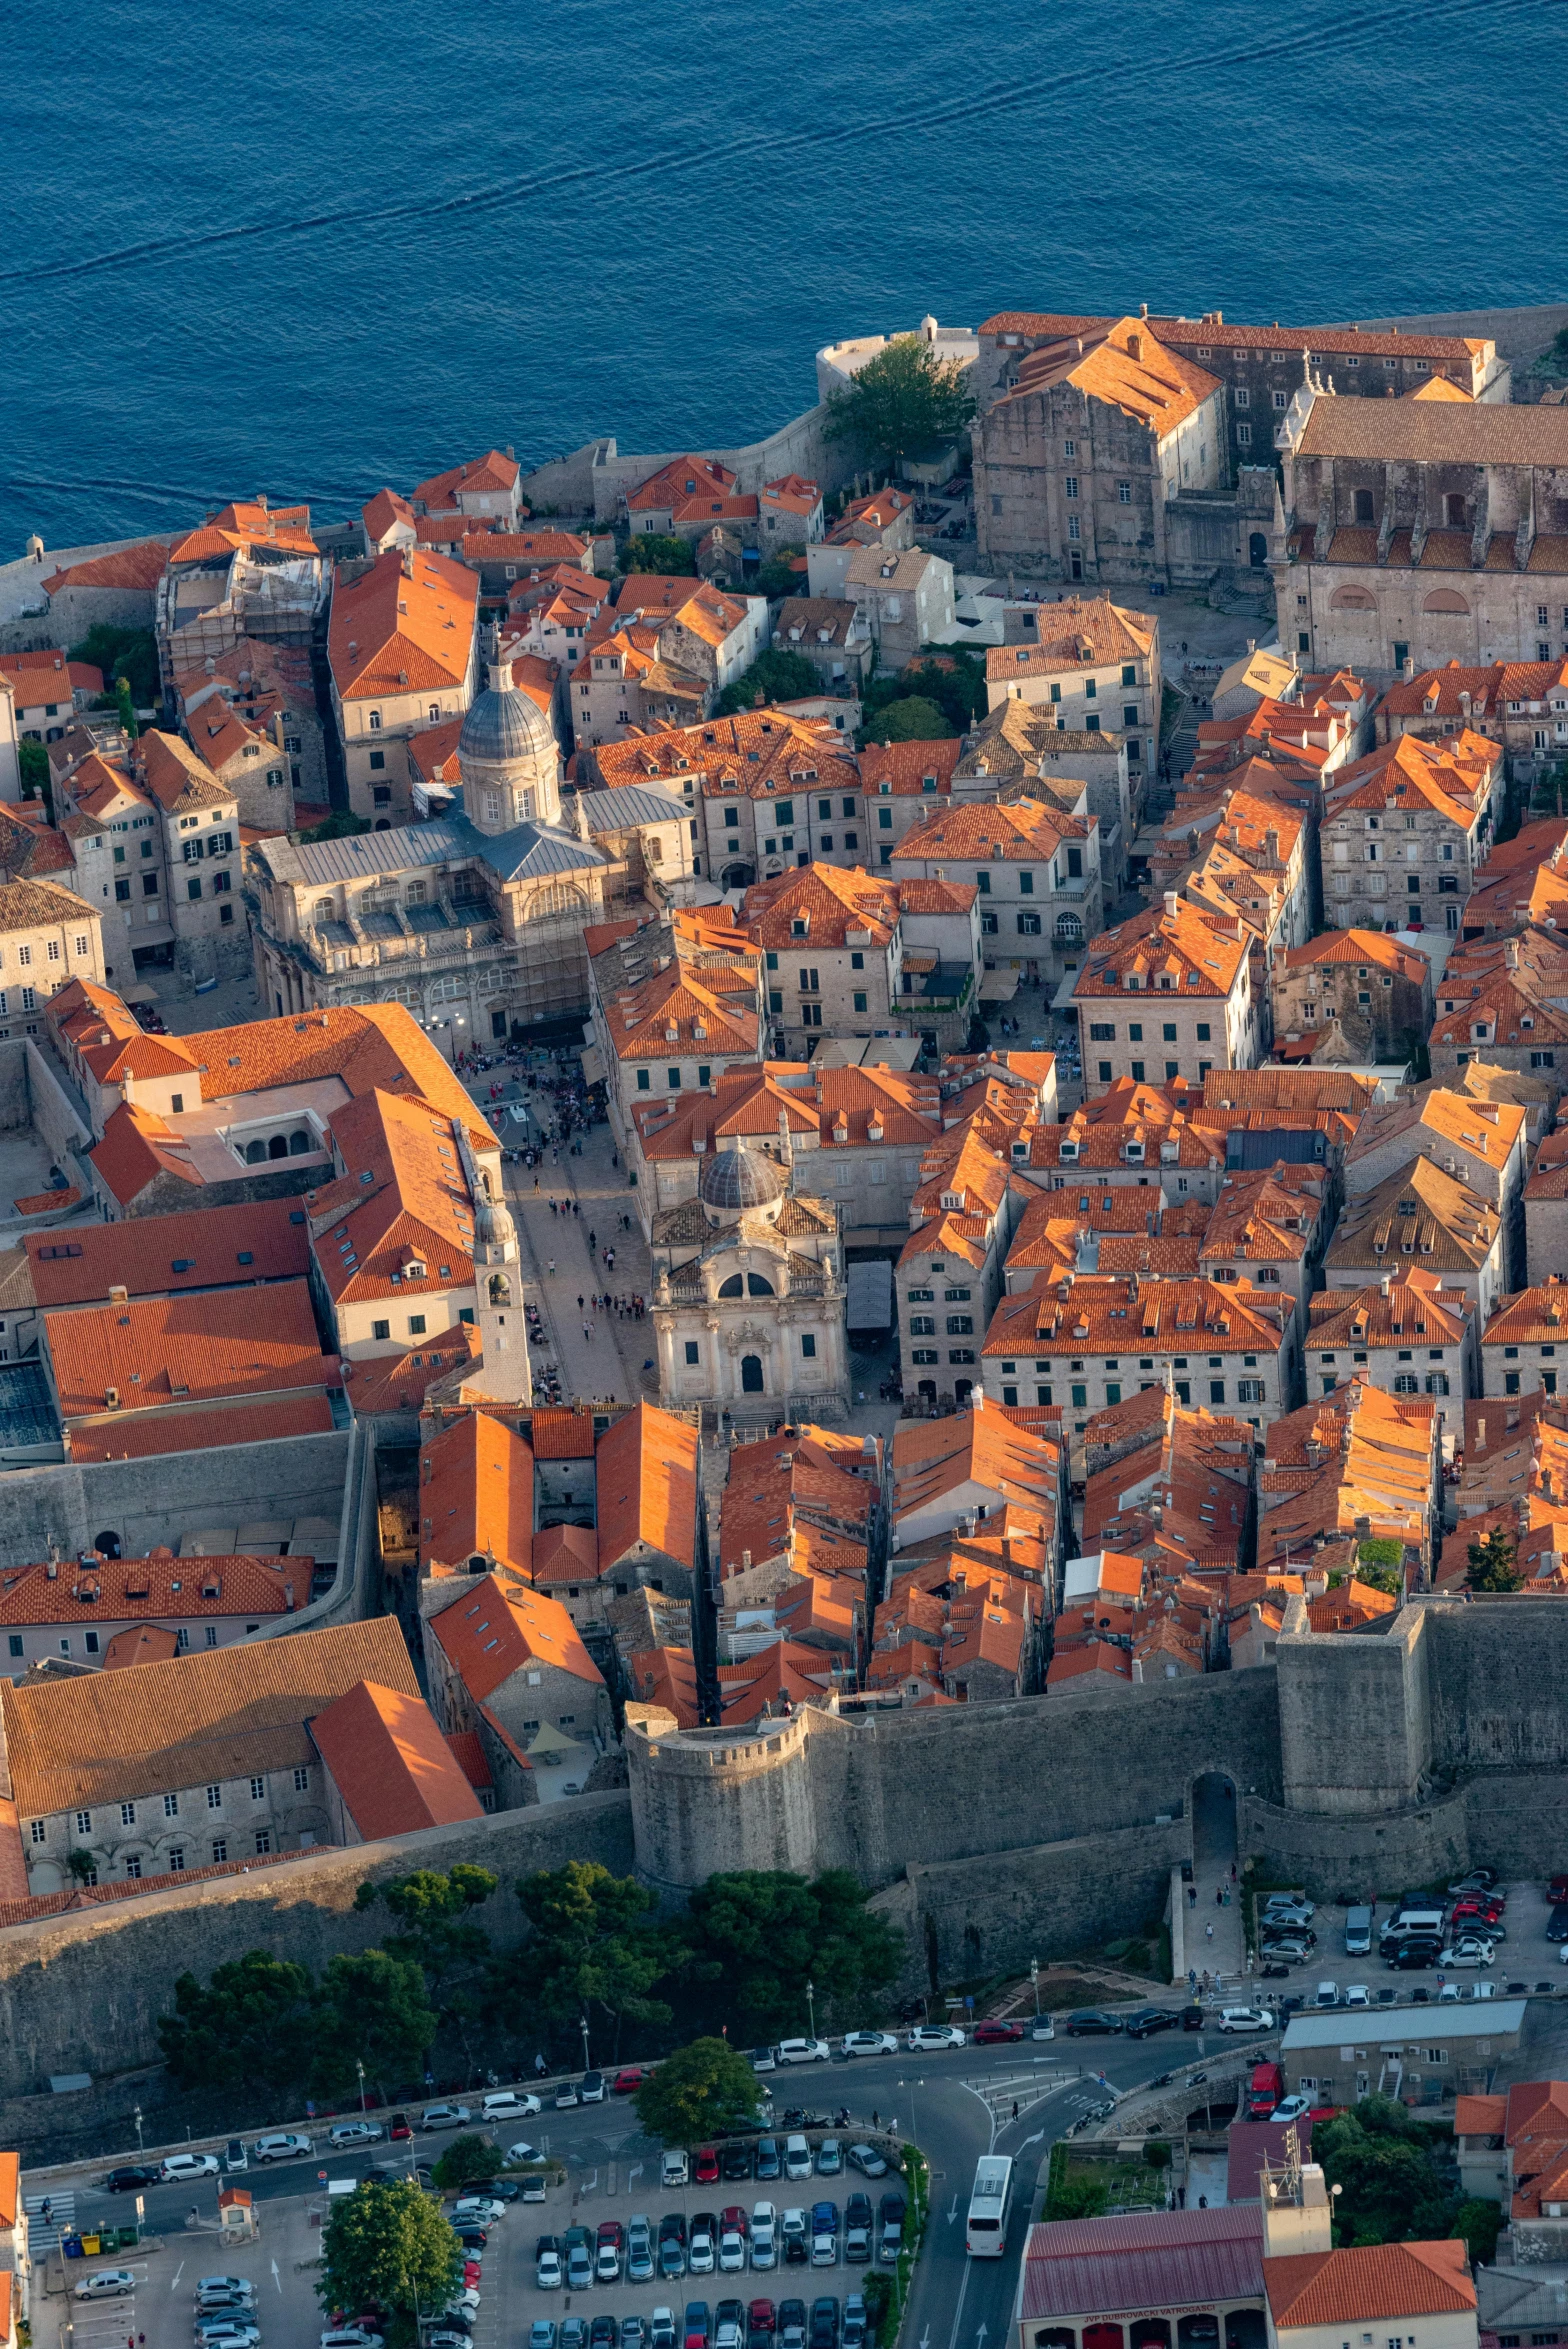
(43, 2234)
(1000, 2094)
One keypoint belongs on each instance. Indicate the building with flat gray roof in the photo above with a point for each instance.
(1342, 2053)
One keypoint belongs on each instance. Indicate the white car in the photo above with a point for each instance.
(762, 2059)
(674, 2169)
(1244, 2018)
(110, 2283)
(1468, 1953)
(798, 2162)
(931, 2038)
(732, 2253)
(507, 2105)
(870, 2043)
(356, 2133)
(1472, 1991)
(191, 2165)
(523, 2151)
(243, 2333)
(286, 2145)
(350, 2337)
(1293, 2108)
(803, 2051)
(1326, 1994)
(479, 2208)
(445, 2116)
(1357, 1994)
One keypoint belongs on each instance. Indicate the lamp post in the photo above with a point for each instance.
(1034, 1977)
(139, 2145)
(811, 2002)
(359, 2067)
(587, 2066)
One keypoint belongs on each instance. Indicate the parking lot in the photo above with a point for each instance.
(1525, 1961)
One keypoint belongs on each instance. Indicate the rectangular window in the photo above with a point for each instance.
(381, 1329)
(808, 1346)
(176, 1859)
(1244, 436)
(263, 1842)
(258, 1790)
(15, 1638)
(220, 1851)
(171, 1806)
(40, 1829)
(1124, 493)
(302, 1779)
(1026, 884)
(1074, 528)
(673, 1079)
(416, 1325)
(84, 1822)
(214, 1798)
(133, 1867)
(693, 1352)
(1070, 485)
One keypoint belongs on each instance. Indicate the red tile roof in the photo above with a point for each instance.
(490, 1630)
(390, 1763)
(201, 1250)
(1361, 2287)
(158, 1351)
(116, 1437)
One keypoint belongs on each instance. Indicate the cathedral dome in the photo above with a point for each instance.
(737, 1179)
(503, 726)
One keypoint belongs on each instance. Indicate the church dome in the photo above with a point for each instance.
(493, 1225)
(737, 1179)
(504, 726)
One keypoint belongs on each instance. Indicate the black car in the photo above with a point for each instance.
(735, 2162)
(857, 2211)
(1192, 2018)
(769, 2164)
(471, 2238)
(1285, 2007)
(498, 2189)
(824, 2322)
(1414, 1955)
(1421, 1996)
(1089, 2021)
(792, 2324)
(672, 2227)
(603, 2333)
(1557, 1923)
(132, 2174)
(1515, 1989)
(1149, 2019)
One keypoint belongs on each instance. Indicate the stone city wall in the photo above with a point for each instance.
(152, 1501)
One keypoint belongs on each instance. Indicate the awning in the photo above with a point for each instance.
(593, 1064)
(138, 995)
(998, 986)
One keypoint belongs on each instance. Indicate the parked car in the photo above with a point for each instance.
(735, 2161)
(869, 2162)
(190, 2165)
(890, 2232)
(870, 2043)
(445, 2116)
(1089, 2022)
(1478, 1880)
(699, 2321)
(133, 2174)
(1292, 1904)
(1291, 2108)
(1150, 2019)
(1468, 1952)
(639, 2250)
(237, 2284)
(507, 2104)
(590, 2089)
(604, 2332)
(1244, 2018)
(523, 2151)
(705, 2168)
(1357, 1994)
(350, 2133)
(110, 2283)
(674, 2169)
(792, 2324)
(399, 2128)
(797, 2158)
(996, 2033)
(932, 2038)
(803, 2051)
(763, 2059)
(1470, 1992)
(702, 2249)
(1414, 1953)
(630, 2078)
(541, 2333)
(547, 2263)
(661, 2329)
(1326, 1994)
(609, 2251)
(824, 2322)
(566, 2097)
(830, 2157)
(770, 2162)
(854, 2330)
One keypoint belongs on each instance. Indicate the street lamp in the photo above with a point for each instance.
(1034, 1977)
(139, 2146)
(811, 2002)
(359, 2067)
(587, 2066)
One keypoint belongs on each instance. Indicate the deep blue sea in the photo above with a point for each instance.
(311, 250)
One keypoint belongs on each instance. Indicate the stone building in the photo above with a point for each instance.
(1036, 873)
(251, 719)
(1409, 1332)
(1200, 1014)
(832, 633)
(672, 648)
(1426, 1218)
(47, 936)
(1521, 704)
(1406, 831)
(851, 954)
(403, 649)
(748, 1294)
(675, 1003)
(1519, 1346)
(1090, 437)
(904, 597)
(250, 571)
(1016, 750)
(1380, 992)
(1421, 532)
(474, 920)
(1087, 661)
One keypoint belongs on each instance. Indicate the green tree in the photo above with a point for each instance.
(1387, 1578)
(765, 1934)
(1394, 2191)
(954, 681)
(131, 653)
(676, 557)
(1478, 2225)
(35, 774)
(776, 675)
(126, 707)
(1077, 2196)
(250, 2028)
(441, 1934)
(371, 2009)
(700, 2091)
(592, 1945)
(388, 2245)
(912, 719)
(340, 825)
(778, 577)
(904, 403)
(1157, 2154)
(467, 2161)
(1492, 1563)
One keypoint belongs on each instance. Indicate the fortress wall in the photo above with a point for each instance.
(148, 1501)
(83, 1991)
(1354, 1723)
(1358, 1857)
(1498, 1673)
(995, 1912)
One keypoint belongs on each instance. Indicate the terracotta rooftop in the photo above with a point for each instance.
(162, 1351)
(391, 1764)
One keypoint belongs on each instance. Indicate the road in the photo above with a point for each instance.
(956, 2106)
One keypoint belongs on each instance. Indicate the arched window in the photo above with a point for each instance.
(278, 1147)
(1445, 599)
(300, 1144)
(1258, 551)
(1069, 929)
(107, 1544)
(1351, 599)
(751, 1374)
(255, 1152)
(500, 1289)
(731, 1287)
(756, 1286)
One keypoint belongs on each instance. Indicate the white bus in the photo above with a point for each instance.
(989, 2206)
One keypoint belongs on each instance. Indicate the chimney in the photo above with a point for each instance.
(501, 676)
(1171, 903)
(288, 1597)
(1480, 1437)
(1252, 644)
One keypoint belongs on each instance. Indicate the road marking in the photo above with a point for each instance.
(958, 2312)
(980, 2333)
(179, 2271)
(952, 2214)
(925, 2338)
(277, 2279)
(1037, 2139)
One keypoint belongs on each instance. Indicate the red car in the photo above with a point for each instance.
(992, 2034)
(762, 2317)
(1490, 1912)
(628, 2080)
(733, 2220)
(1557, 1889)
(399, 2127)
(705, 2166)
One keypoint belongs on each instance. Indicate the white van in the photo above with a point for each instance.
(1358, 1932)
(1412, 1920)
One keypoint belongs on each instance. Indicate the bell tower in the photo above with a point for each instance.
(505, 1374)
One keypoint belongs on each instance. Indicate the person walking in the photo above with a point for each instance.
(1208, 1929)
(552, 1268)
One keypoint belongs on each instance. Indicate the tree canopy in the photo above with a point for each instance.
(911, 719)
(466, 2161)
(592, 1945)
(388, 2245)
(777, 675)
(1492, 1563)
(131, 653)
(245, 2030)
(371, 2009)
(1394, 2190)
(904, 403)
(700, 2091)
(656, 551)
(35, 773)
(765, 1934)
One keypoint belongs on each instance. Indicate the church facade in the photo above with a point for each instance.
(475, 919)
(749, 1295)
